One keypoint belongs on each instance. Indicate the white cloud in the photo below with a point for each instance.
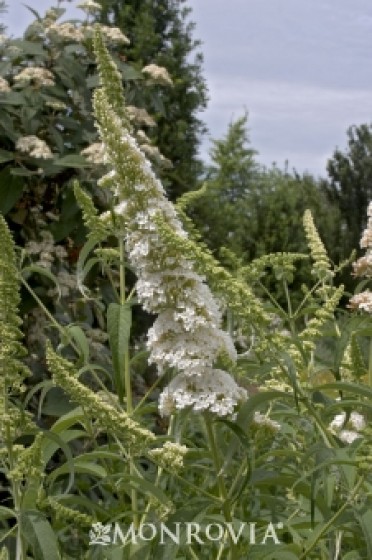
(288, 121)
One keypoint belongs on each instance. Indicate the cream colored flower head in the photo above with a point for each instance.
(366, 239)
(34, 147)
(140, 116)
(362, 301)
(262, 420)
(66, 31)
(4, 85)
(114, 34)
(214, 391)
(351, 430)
(363, 266)
(95, 153)
(38, 75)
(170, 455)
(158, 74)
(89, 6)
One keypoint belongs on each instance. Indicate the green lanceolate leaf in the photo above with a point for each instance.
(27, 270)
(364, 517)
(119, 321)
(81, 341)
(10, 190)
(6, 156)
(72, 160)
(38, 532)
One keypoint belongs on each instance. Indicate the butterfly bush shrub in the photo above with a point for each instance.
(258, 413)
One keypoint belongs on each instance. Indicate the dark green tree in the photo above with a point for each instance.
(254, 210)
(161, 33)
(221, 214)
(350, 184)
(3, 9)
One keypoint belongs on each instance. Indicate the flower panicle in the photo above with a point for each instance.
(283, 265)
(106, 416)
(111, 80)
(98, 230)
(30, 462)
(67, 514)
(186, 336)
(215, 391)
(362, 267)
(170, 456)
(239, 296)
(11, 350)
(352, 365)
(322, 315)
(322, 263)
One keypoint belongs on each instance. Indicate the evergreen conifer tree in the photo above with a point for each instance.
(161, 33)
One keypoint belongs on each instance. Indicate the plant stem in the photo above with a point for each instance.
(217, 465)
(329, 524)
(145, 397)
(159, 471)
(290, 310)
(19, 552)
(127, 382)
(61, 329)
(220, 480)
(370, 364)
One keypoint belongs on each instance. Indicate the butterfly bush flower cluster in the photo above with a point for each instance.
(186, 337)
(363, 267)
(170, 455)
(34, 147)
(4, 85)
(158, 74)
(264, 421)
(94, 153)
(90, 7)
(38, 75)
(348, 431)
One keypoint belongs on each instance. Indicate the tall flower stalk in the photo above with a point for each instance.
(13, 372)
(186, 337)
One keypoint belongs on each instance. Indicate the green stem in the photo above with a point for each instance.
(122, 272)
(128, 382)
(145, 397)
(306, 297)
(159, 472)
(220, 480)
(329, 524)
(218, 467)
(370, 364)
(16, 492)
(237, 478)
(61, 329)
(290, 310)
(271, 298)
(109, 276)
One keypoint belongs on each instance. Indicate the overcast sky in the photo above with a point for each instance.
(302, 69)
